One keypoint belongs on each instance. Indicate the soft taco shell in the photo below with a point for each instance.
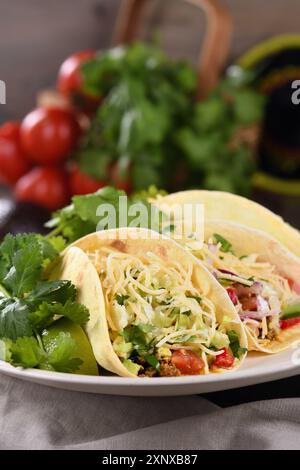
(246, 241)
(76, 266)
(230, 207)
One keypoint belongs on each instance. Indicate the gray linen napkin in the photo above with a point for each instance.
(37, 417)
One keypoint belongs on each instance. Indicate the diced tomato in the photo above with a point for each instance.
(295, 286)
(289, 322)
(188, 362)
(249, 303)
(224, 360)
(232, 294)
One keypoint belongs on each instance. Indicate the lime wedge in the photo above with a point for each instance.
(83, 348)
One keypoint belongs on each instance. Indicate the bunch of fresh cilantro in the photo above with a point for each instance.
(150, 123)
(29, 304)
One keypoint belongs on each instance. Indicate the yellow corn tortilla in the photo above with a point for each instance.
(77, 267)
(230, 207)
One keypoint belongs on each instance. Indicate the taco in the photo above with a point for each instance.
(154, 309)
(227, 206)
(261, 277)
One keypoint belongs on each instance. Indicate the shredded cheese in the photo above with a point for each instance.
(147, 290)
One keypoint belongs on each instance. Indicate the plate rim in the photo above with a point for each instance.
(235, 376)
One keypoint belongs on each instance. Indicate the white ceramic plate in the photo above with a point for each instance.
(256, 369)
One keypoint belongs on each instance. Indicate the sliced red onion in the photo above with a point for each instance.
(262, 305)
(255, 289)
(225, 271)
(212, 248)
(256, 315)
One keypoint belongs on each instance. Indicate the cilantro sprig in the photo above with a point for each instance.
(29, 303)
(85, 214)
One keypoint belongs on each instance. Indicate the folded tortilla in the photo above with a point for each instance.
(227, 206)
(153, 306)
(261, 277)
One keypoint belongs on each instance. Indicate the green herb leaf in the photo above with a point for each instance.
(60, 354)
(52, 291)
(14, 319)
(137, 335)
(45, 313)
(26, 352)
(76, 312)
(151, 359)
(25, 270)
(121, 298)
(235, 347)
(226, 246)
(86, 207)
(42, 316)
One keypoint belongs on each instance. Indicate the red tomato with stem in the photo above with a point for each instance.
(81, 183)
(13, 161)
(224, 360)
(45, 186)
(49, 135)
(188, 362)
(70, 80)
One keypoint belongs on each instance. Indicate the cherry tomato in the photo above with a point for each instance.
(70, 80)
(10, 130)
(119, 180)
(81, 183)
(224, 360)
(188, 362)
(232, 294)
(289, 322)
(46, 186)
(13, 161)
(48, 135)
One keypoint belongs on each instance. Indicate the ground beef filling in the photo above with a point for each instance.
(167, 369)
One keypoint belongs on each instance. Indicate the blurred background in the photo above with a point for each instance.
(37, 36)
(214, 127)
